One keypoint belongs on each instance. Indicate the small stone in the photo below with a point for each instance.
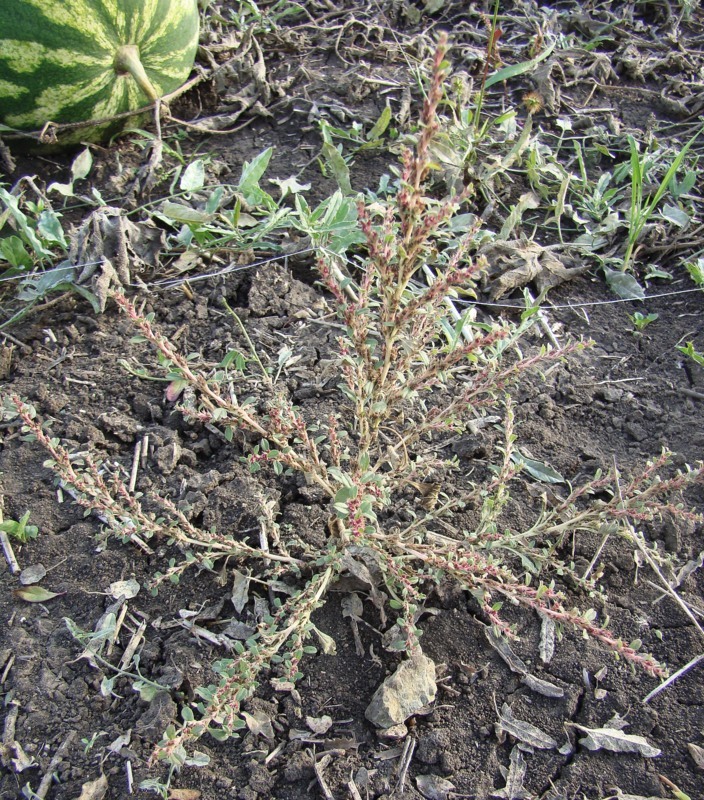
(636, 431)
(167, 457)
(393, 733)
(120, 425)
(404, 693)
(611, 394)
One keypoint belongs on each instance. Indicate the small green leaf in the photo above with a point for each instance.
(338, 167)
(346, 493)
(177, 212)
(537, 469)
(624, 285)
(689, 350)
(380, 125)
(676, 215)
(518, 69)
(193, 177)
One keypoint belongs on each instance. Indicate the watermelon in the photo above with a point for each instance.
(76, 60)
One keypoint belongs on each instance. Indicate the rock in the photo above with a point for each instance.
(611, 394)
(120, 425)
(167, 457)
(636, 431)
(404, 693)
(392, 734)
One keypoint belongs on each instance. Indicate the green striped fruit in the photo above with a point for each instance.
(76, 60)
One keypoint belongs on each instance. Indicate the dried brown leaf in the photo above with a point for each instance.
(516, 264)
(94, 790)
(697, 754)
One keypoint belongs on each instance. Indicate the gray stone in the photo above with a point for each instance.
(404, 693)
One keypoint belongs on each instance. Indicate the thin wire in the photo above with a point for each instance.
(169, 283)
(65, 265)
(582, 305)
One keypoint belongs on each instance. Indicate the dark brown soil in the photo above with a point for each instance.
(622, 400)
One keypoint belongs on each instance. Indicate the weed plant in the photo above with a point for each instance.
(410, 374)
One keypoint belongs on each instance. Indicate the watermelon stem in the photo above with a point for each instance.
(127, 61)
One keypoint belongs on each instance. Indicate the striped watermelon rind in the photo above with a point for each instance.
(64, 61)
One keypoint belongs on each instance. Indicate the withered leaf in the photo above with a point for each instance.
(20, 761)
(616, 741)
(514, 789)
(122, 741)
(697, 754)
(240, 590)
(94, 790)
(32, 574)
(352, 606)
(524, 731)
(125, 589)
(433, 787)
(259, 724)
(327, 643)
(636, 797)
(547, 639)
(184, 794)
(499, 643)
(36, 594)
(517, 263)
(540, 686)
(319, 725)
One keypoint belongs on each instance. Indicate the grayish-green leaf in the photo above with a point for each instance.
(193, 177)
(537, 469)
(616, 741)
(240, 590)
(624, 285)
(539, 686)
(338, 167)
(524, 731)
(514, 789)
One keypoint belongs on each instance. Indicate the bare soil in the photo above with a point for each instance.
(623, 400)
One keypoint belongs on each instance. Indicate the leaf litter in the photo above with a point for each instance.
(615, 740)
